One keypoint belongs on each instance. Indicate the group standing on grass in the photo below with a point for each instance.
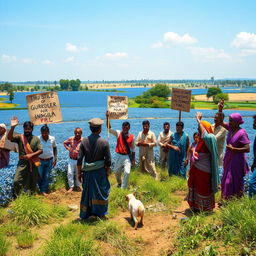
(89, 159)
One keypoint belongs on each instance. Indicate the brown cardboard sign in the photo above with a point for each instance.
(44, 108)
(181, 99)
(118, 107)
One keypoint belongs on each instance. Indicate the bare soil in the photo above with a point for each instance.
(156, 237)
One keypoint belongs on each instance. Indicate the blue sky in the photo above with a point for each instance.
(115, 40)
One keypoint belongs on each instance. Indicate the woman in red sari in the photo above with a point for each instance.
(203, 175)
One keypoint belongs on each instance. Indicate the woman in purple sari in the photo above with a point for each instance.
(234, 164)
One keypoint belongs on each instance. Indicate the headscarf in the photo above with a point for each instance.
(207, 126)
(237, 118)
(3, 126)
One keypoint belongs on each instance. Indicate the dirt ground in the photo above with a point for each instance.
(157, 235)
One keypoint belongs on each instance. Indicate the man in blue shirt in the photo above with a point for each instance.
(252, 183)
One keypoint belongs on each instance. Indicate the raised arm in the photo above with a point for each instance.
(14, 123)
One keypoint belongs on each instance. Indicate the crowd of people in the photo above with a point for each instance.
(89, 163)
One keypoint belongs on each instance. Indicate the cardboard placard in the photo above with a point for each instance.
(118, 107)
(7, 144)
(181, 99)
(44, 108)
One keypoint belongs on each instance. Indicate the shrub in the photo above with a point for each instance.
(11, 229)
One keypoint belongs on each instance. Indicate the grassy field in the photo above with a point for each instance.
(34, 225)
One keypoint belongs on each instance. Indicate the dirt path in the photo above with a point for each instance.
(159, 230)
(155, 237)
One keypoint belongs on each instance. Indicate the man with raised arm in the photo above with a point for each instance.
(125, 149)
(30, 148)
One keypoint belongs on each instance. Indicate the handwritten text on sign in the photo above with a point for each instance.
(44, 108)
(181, 99)
(118, 107)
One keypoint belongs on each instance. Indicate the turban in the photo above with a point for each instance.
(3, 126)
(237, 118)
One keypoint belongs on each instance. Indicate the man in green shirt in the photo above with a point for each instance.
(26, 176)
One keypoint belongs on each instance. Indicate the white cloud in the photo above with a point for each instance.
(70, 59)
(209, 54)
(245, 40)
(171, 37)
(8, 59)
(27, 61)
(73, 48)
(157, 45)
(116, 56)
(247, 52)
(47, 62)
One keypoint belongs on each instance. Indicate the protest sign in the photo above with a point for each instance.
(44, 108)
(181, 99)
(118, 107)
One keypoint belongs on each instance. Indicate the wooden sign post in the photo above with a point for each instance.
(117, 108)
(181, 99)
(44, 108)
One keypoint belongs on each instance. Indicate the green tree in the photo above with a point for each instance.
(213, 91)
(160, 90)
(75, 84)
(64, 84)
(11, 95)
(220, 96)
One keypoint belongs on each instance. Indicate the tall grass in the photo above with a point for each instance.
(30, 210)
(4, 246)
(234, 226)
(112, 233)
(25, 239)
(70, 240)
(149, 190)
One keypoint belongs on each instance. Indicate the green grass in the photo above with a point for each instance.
(70, 240)
(148, 190)
(4, 246)
(59, 181)
(232, 229)
(25, 239)
(11, 229)
(30, 211)
(113, 234)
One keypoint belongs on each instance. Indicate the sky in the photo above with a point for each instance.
(119, 40)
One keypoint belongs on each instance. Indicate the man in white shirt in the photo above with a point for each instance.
(47, 159)
(125, 152)
(220, 134)
(163, 139)
(146, 141)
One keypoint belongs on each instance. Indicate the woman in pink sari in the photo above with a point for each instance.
(234, 164)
